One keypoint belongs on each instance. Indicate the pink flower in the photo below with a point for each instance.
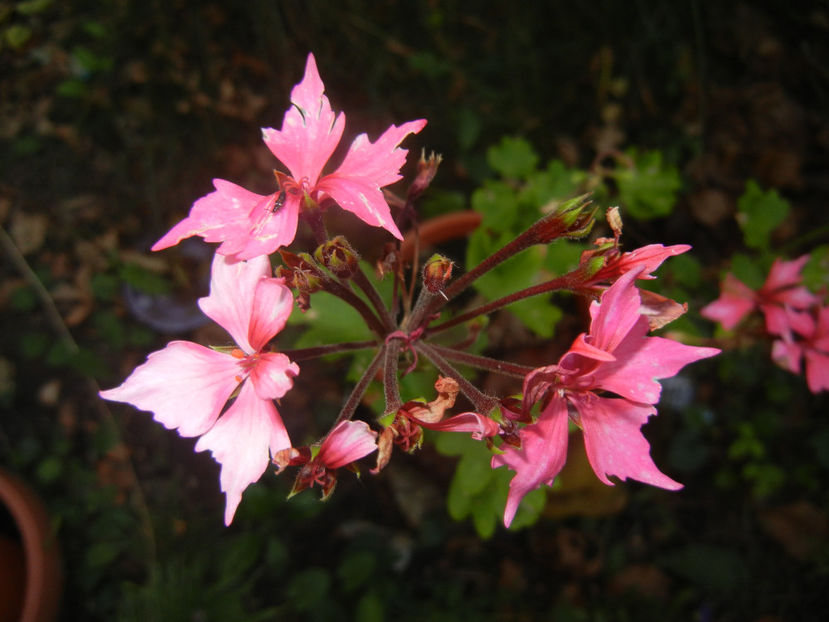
(813, 346)
(346, 443)
(186, 385)
(249, 224)
(616, 357)
(782, 293)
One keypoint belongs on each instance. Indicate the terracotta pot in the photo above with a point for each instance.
(30, 571)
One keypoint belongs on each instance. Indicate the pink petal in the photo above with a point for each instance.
(349, 441)
(541, 456)
(648, 258)
(817, 371)
(787, 354)
(272, 304)
(267, 230)
(581, 347)
(641, 360)
(242, 441)
(614, 443)
(781, 321)
(367, 167)
(273, 375)
(735, 301)
(185, 386)
(478, 425)
(219, 216)
(233, 285)
(784, 274)
(310, 130)
(616, 314)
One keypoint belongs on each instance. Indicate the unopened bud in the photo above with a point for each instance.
(338, 256)
(436, 273)
(572, 219)
(427, 168)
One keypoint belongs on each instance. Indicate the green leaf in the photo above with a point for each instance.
(512, 158)
(647, 189)
(17, 35)
(550, 186)
(759, 213)
(748, 270)
(32, 7)
(356, 569)
(497, 203)
(816, 270)
(144, 280)
(369, 608)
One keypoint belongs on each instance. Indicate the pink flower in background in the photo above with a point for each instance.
(186, 385)
(781, 294)
(813, 345)
(249, 224)
(615, 357)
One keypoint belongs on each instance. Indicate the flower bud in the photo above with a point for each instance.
(572, 219)
(338, 256)
(427, 168)
(436, 273)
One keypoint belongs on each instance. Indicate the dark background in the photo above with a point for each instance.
(116, 115)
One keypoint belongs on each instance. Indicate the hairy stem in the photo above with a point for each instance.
(391, 388)
(373, 295)
(304, 354)
(504, 368)
(359, 390)
(483, 404)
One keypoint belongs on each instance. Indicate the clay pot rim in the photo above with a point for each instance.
(40, 548)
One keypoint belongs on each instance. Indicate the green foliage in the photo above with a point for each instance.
(479, 491)
(648, 188)
(512, 158)
(759, 213)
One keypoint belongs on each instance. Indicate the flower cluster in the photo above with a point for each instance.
(794, 317)
(606, 383)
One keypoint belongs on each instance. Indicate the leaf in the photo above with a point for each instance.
(647, 189)
(759, 213)
(747, 270)
(512, 158)
(17, 35)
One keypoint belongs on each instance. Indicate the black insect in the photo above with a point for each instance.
(278, 202)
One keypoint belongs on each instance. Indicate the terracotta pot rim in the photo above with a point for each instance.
(40, 548)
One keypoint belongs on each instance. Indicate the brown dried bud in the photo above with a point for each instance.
(427, 168)
(338, 256)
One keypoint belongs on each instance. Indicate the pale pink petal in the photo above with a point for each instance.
(272, 304)
(268, 229)
(273, 375)
(367, 167)
(310, 130)
(735, 301)
(614, 442)
(641, 361)
(817, 371)
(221, 216)
(478, 425)
(349, 441)
(185, 386)
(541, 456)
(787, 354)
(242, 441)
(232, 289)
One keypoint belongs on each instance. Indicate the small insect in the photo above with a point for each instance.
(278, 202)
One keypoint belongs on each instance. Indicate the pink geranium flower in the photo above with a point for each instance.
(813, 345)
(186, 385)
(782, 298)
(617, 358)
(249, 224)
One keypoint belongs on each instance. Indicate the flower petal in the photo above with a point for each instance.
(272, 304)
(242, 441)
(221, 216)
(735, 301)
(478, 425)
(367, 167)
(817, 371)
(616, 314)
(349, 441)
(540, 458)
(614, 442)
(185, 386)
(273, 375)
(233, 285)
(310, 130)
(641, 360)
